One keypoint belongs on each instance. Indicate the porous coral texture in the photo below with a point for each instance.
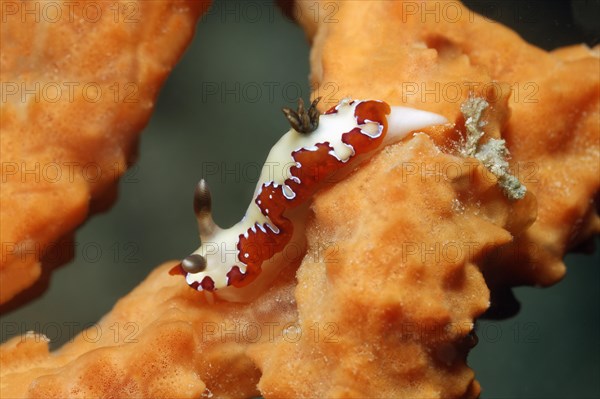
(384, 302)
(79, 82)
(405, 55)
(163, 340)
(389, 289)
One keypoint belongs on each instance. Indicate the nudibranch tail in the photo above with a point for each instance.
(403, 120)
(316, 147)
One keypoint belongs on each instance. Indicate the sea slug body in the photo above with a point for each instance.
(241, 260)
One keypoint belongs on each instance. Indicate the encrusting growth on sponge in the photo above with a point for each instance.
(493, 154)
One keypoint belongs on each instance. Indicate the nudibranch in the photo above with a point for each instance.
(241, 260)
